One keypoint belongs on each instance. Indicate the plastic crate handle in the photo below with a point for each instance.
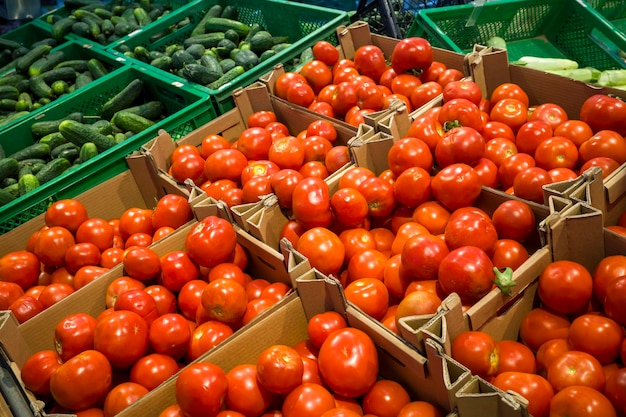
(478, 7)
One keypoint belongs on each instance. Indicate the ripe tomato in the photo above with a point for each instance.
(462, 89)
(478, 351)
(416, 303)
(470, 228)
(556, 152)
(279, 369)
(51, 245)
(212, 143)
(510, 111)
(326, 52)
(311, 203)
(225, 300)
(323, 248)
(528, 184)
(20, 267)
(508, 253)
(513, 165)
(565, 286)
(412, 55)
(604, 143)
(177, 269)
(37, 371)
(550, 113)
(531, 134)
(287, 152)
(206, 336)
(82, 381)
(153, 369)
(140, 302)
(615, 389)
(68, 213)
(608, 269)
(409, 152)
(323, 324)
(498, 149)
(424, 93)
(254, 143)
(201, 389)
(81, 254)
(245, 392)
(422, 254)
(301, 94)
(603, 112)
(9, 292)
(427, 128)
(456, 186)
(370, 295)
(534, 388)
(615, 301)
(576, 368)
(370, 61)
(509, 90)
(171, 210)
(97, 231)
(135, 220)
(385, 399)
(211, 241)
(607, 165)
(141, 263)
(548, 351)
(540, 325)
(122, 336)
(460, 112)
(349, 207)
(379, 195)
(25, 307)
(575, 130)
(121, 396)
(307, 400)
(337, 158)
(419, 409)
(468, 271)
(73, 335)
(597, 335)
(514, 219)
(581, 401)
(460, 145)
(348, 362)
(515, 356)
(225, 164)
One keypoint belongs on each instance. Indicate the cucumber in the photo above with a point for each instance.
(182, 58)
(221, 24)
(199, 74)
(103, 13)
(13, 117)
(214, 11)
(60, 87)
(83, 79)
(40, 87)
(53, 140)
(228, 76)
(229, 12)
(24, 62)
(79, 134)
(141, 53)
(108, 28)
(151, 110)
(70, 154)
(6, 197)
(9, 168)
(82, 14)
(142, 16)
(32, 162)
(208, 40)
(123, 28)
(62, 27)
(36, 150)
(212, 64)
(45, 41)
(103, 126)
(128, 121)
(13, 188)
(45, 127)
(261, 41)
(12, 79)
(247, 59)
(123, 99)
(9, 44)
(9, 91)
(78, 65)
(27, 183)
(81, 29)
(52, 169)
(24, 102)
(164, 63)
(24, 170)
(96, 68)
(196, 50)
(59, 74)
(57, 151)
(8, 104)
(87, 151)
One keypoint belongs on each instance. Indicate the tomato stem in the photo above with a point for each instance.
(504, 280)
(451, 124)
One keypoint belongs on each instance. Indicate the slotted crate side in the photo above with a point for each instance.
(347, 5)
(546, 28)
(186, 111)
(303, 24)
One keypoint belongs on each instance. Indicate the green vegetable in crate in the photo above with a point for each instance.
(612, 78)
(246, 59)
(9, 168)
(96, 68)
(27, 183)
(36, 150)
(62, 27)
(9, 91)
(40, 87)
(228, 76)
(496, 42)
(45, 127)
(214, 11)
(23, 63)
(546, 64)
(6, 197)
(220, 24)
(261, 41)
(199, 74)
(46, 63)
(79, 134)
(152, 110)
(129, 121)
(87, 151)
(123, 99)
(52, 169)
(208, 40)
(181, 58)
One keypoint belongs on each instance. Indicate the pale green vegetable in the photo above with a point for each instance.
(586, 74)
(496, 42)
(546, 64)
(612, 78)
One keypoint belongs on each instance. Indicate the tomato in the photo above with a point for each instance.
(25, 307)
(369, 294)
(432, 215)
(409, 152)
(121, 396)
(456, 186)
(349, 207)
(531, 134)
(412, 55)
(385, 399)
(548, 351)
(348, 362)
(448, 75)
(317, 73)
(534, 388)
(615, 389)
(279, 369)
(405, 232)
(311, 203)
(261, 118)
(206, 336)
(498, 149)
(379, 195)
(68, 213)
(470, 228)
(417, 303)
(141, 263)
(540, 325)
(550, 113)
(509, 90)
(51, 245)
(37, 371)
(514, 219)
(323, 248)
(140, 302)
(597, 335)
(82, 381)
(172, 210)
(419, 409)
(81, 254)
(301, 94)
(201, 389)
(87, 274)
(245, 394)
(565, 286)
(323, 324)
(508, 253)
(576, 368)
(177, 269)
(460, 145)
(211, 241)
(604, 143)
(427, 128)
(575, 130)
(468, 271)
(476, 350)
(283, 183)
(515, 356)
(370, 61)
(21, 268)
(287, 152)
(73, 335)
(336, 158)
(225, 300)
(353, 177)
(422, 254)
(528, 184)
(510, 111)
(326, 52)
(97, 231)
(460, 112)
(153, 369)
(606, 165)
(556, 152)
(511, 166)
(9, 292)
(603, 112)
(307, 400)
(580, 401)
(615, 301)
(467, 89)
(608, 269)
(122, 336)
(171, 411)
(212, 143)
(424, 93)
(493, 129)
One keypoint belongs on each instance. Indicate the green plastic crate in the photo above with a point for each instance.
(303, 24)
(172, 6)
(26, 35)
(186, 110)
(74, 50)
(347, 5)
(614, 11)
(544, 28)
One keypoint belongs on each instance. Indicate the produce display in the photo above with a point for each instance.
(443, 198)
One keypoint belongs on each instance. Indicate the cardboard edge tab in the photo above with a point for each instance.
(478, 398)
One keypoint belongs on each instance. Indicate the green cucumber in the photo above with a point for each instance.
(123, 99)
(214, 11)
(9, 44)
(164, 63)
(52, 169)
(79, 134)
(13, 117)
(221, 24)
(58, 151)
(70, 154)
(24, 62)
(103, 126)
(9, 168)
(230, 12)
(199, 74)
(59, 74)
(87, 151)
(151, 110)
(129, 121)
(60, 87)
(8, 104)
(62, 27)
(208, 40)
(36, 150)
(228, 76)
(143, 18)
(45, 127)
(40, 87)
(96, 68)
(53, 140)
(78, 65)
(6, 197)
(27, 183)
(81, 29)
(9, 91)
(83, 79)
(12, 79)
(247, 59)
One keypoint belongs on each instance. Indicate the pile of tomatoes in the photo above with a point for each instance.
(72, 249)
(332, 373)
(164, 312)
(571, 352)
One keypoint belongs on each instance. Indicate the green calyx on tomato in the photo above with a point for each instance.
(504, 280)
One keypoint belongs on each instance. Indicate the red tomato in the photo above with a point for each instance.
(556, 152)
(287, 152)
(531, 134)
(9, 292)
(409, 152)
(470, 228)
(326, 52)
(597, 335)
(121, 396)
(428, 128)
(379, 195)
(604, 143)
(141, 263)
(82, 381)
(177, 269)
(603, 112)
(534, 388)
(508, 253)
(206, 336)
(385, 399)
(73, 335)
(422, 254)
(511, 166)
(172, 210)
(81, 254)
(417, 303)
(494, 129)
(283, 183)
(460, 112)
(548, 351)
(419, 409)
(51, 245)
(68, 213)
(245, 394)
(608, 269)
(122, 336)
(225, 300)
(279, 369)
(323, 248)
(498, 149)
(348, 362)
(153, 369)
(308, 399)
(225, 164)
(509, 90)
(412, 55)
(370, 295)
(97, 231)
(565, 286)
(456, 186)
(615, 301)
(311, 203)
(25, 307)
(201, 389)
(468, 271)
(349, 207)
(514, 219)
(460, 145)
(211, 241)
(462, 89)
(510, 111)
(433, 216)
(550, 113)
(37, 371)
(478, 351)
(424, 93)
(576, 368)
(516, 357)
(540, 325)
(370, 61)
(323, 324)
(336, 158)
(212, 143)
(580, 401)
(606, 165)
(528, 184)
(615, 389)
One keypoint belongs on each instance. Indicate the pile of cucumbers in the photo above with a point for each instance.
(218, 49)
(40, 76)
(64, 143)
(12, 50)
(105, 23)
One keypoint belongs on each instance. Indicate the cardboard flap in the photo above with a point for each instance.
(242, 212)
(488, 67)
(478, 398)
(614, 196)
(159, 149)
(371, 152)
(204, 206)
(266, 223)
(397, 122)
(266, 261)
(320, 293)
(296, 263)
(270, 78)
